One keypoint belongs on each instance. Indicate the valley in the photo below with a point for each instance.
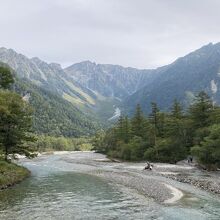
(93, 91)
(110, 110)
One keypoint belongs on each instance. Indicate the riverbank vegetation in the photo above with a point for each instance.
(15, 119)
(166, 137)
(15, 131)
(48, 143)
(11, 174)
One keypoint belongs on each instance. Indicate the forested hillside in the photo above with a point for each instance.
(166, 137)
(53, 115)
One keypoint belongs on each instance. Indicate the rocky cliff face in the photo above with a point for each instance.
(47, 76)
(109, 80)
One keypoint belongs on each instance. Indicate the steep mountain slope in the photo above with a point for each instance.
(108, 80)
(53, 115)
(47, 76)
(181, 80)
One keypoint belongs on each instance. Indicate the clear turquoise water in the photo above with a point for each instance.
(57, 191)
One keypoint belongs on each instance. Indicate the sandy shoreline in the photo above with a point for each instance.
(177, 194)
(147, 186)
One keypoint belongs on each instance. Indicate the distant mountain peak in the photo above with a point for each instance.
(56, 65)
(9, 50)
(36, 59)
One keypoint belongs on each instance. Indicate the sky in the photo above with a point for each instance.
(135, 33)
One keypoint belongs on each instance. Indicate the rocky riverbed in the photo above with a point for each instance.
(190, 174)
(86, 185)
(147, 182)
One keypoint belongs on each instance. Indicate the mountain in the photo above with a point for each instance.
(108, 80)
(111, 84)
(85, 94)
(40, 84)
(63, 103)
(95, 89)
(48, 76)
(182, 80)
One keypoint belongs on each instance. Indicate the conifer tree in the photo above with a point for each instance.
(15, 119)
(176, 110)
(138, 123)
(208, 153)
(200, 115)
(201, 110)
(15, 124)
(6, 78)
(127, 129)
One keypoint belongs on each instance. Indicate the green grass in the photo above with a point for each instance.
(11, 174)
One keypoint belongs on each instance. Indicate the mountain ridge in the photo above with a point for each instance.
(183, 78)
(94, 88)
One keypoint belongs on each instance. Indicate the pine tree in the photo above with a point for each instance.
(15, 119)
(122, 129)
(208, 153)
(200, 114)
(127, 130)
(201, 110)
(119, 129)
(176, 110)
(154, 114)
(6, 78)
(138, 123)
(15, 124)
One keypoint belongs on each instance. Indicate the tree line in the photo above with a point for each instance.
(166, 136)
(46, 143)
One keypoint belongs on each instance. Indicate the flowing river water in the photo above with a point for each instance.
(78, 186)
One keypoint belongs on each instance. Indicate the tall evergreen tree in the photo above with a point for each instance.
(122, 129)
(208, 153)
(201, 110)
(154, 114)
(15, 119)
(176, 110)
(138, 123)
(200, 114)
(127, 129)
(6, 78)
(15, 124)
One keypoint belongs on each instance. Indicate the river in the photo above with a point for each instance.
(76, 186)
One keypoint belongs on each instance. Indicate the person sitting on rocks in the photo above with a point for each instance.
(148, 166)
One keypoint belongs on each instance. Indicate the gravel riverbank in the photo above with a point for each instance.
(143, 184)
(208, 181)
(146, 182)
(130, 175)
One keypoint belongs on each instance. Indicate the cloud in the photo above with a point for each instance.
(138, 33)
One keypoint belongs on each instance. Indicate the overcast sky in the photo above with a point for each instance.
(137, 33)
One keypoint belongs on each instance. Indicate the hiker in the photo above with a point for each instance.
(190, 159)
